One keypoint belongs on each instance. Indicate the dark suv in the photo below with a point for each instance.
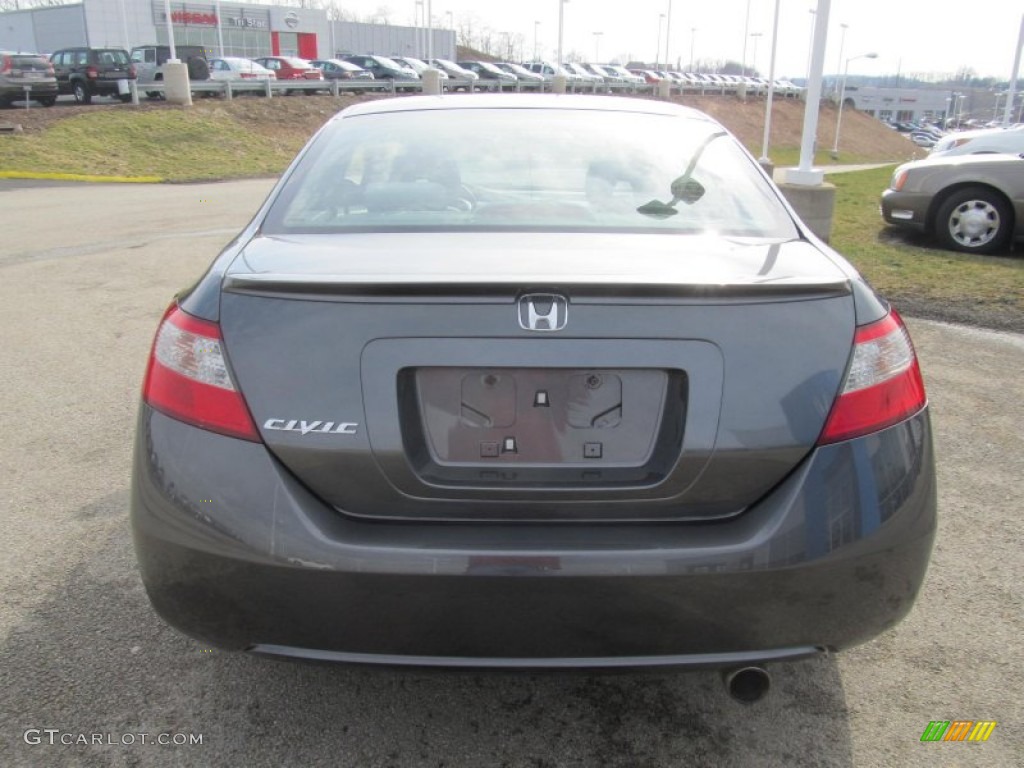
(88, 72)
(26, 75)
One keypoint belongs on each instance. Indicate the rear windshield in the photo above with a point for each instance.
(32, 63)
(527, 169)
(112, 58)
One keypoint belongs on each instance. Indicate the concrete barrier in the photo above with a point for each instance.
(431, 81)
(814, 204)
(176, 84)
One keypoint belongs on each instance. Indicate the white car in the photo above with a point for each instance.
(234, 68)
(983, 142)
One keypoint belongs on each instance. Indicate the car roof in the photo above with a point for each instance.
(524, 101)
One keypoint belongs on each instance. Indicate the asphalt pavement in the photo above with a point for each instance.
(85, 273)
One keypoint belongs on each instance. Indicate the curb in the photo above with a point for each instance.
(81, 177)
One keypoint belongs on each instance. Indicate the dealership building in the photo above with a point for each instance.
(903, 105)
(228, 29)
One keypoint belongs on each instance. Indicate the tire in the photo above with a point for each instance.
(198, 68)
(125, 98)
(48, 100)
(81, 93)
(974, 220)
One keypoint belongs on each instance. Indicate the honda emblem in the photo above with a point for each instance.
(543, 312)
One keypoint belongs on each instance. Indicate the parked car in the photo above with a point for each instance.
(336, 69)
(970, 203)
(548, 70)
(922, 139)
(580, 75)
(625, 74)
(461, 77)
(236, 68)
(149, 61)
(291, 68)
(986, 140)
(26, 76)
(489, 74)
(650, 76)
(88, 72)
(609, 76)
(419, 67)
(384, 68)
(527, 79)
(525, 381)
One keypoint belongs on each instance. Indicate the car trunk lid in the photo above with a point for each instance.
(411, 376)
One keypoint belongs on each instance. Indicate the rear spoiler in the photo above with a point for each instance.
(596, 289)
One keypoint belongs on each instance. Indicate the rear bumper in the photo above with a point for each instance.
(235, 552)
(11, 90)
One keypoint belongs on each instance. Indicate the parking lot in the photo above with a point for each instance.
(85, 273)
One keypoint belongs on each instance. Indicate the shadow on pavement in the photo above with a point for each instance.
(94, 658)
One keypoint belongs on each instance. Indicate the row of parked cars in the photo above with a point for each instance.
(87, 72)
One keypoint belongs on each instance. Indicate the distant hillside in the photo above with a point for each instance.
(465, 53)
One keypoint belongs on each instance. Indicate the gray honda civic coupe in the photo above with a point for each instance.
(528, 382)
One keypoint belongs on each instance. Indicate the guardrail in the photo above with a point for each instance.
(270, 88)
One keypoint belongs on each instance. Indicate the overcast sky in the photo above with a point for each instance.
(910, 35)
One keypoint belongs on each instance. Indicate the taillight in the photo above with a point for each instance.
(5, 65)
(131, 71)
(883, 384)
(188, 378)
(91, 72)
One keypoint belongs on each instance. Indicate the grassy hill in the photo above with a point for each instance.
(252, 136)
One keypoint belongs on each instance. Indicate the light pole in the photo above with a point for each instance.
(764, 159)
(810, 45)
(842, 96)
(430, 31)
(597, 50)
(668, 34)
(657, 55)
(693, 40)
(451, 20)
(535, 25)
(561, 14)
(1013, 76)
(839, 64)
(753, 63)
(746, 31)
(805, 175)
(420, 41)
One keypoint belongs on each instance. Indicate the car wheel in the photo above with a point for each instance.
(81, 93)
(48, 101)
(973, 220)
(125, 97)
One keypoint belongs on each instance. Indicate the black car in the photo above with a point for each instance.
(26, 76)
(489, 73)
(383, 68)
(336, 69)
(89, 72)
(529, 381)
